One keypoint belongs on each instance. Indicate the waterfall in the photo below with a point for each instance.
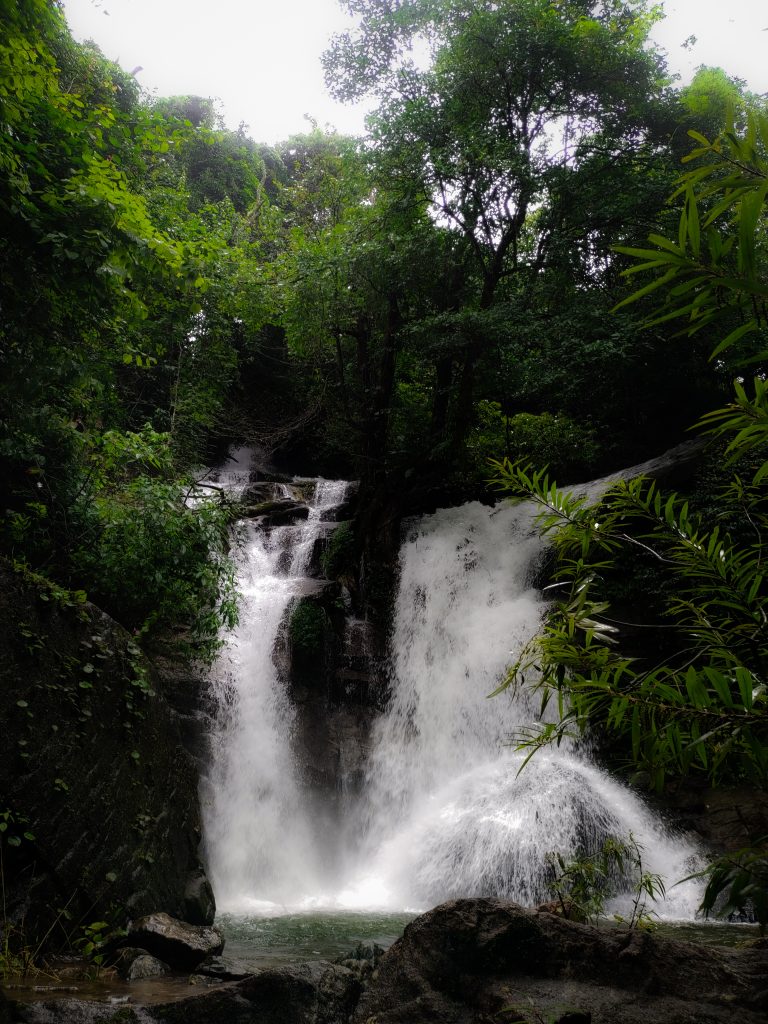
(449, 813)
(444, 809)
(260, 846)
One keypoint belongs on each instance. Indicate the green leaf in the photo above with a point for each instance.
(734, 336)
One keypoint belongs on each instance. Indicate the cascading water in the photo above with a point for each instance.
(443, 811)
(261, 849)
(448, 813)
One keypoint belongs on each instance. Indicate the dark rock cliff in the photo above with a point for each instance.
(94, 769)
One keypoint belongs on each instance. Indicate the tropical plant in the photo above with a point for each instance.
(582, 885)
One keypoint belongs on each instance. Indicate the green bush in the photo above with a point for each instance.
(159, 564)
(338, 559)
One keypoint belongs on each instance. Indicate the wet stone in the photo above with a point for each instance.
(177, 943)
(133, 964)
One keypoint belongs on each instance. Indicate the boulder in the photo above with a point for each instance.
(280, 512)
(255, 493)
(288, 513)
(199, 905)
(264, 474)
(309, 993)
(177, 943)
(224, 968)
(134, 964)
(362, 960)
(488, 959)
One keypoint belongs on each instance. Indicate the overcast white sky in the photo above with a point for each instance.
(261, 58)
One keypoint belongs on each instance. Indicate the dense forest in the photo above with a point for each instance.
(471, 281)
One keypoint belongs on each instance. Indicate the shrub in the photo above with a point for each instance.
(338, 559)
(159, 564)
(306, 630)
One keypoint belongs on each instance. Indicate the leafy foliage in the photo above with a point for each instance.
(583, 885)
(705, 707)
(306, 630)
(714, 270)
(159, 564)
(103, 330)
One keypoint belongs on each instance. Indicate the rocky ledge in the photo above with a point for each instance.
(490, 960)
(476, 961)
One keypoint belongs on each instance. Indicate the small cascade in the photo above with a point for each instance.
(233, 476)
(260, 845)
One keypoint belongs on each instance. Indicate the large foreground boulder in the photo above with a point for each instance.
(486, 960)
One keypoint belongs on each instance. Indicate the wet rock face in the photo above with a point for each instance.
(335, 668)
(728, 818)
(93, 767)
(177, 943)
(281, 512)
(487, 959)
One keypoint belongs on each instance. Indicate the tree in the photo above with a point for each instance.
(98, 299)
(351, 277)
(523, 109)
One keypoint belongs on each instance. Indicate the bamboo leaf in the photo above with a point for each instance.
(734, 336)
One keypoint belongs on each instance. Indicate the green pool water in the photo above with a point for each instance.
(271, 941)
(260, 941)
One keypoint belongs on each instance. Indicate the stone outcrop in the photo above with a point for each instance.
(93, 768)
(311, 993)
(728, 818)
(183, 946)
(490, 960)
(134, 964)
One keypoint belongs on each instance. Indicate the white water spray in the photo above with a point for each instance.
(449, 811)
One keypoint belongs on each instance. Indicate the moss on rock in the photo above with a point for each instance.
(307, 629)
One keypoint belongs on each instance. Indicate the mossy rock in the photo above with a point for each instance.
(339, 560)
(307, 629)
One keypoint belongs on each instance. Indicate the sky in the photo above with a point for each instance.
(261, 58)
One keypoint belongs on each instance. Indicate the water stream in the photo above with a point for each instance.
(443, 811)
(262, 851)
